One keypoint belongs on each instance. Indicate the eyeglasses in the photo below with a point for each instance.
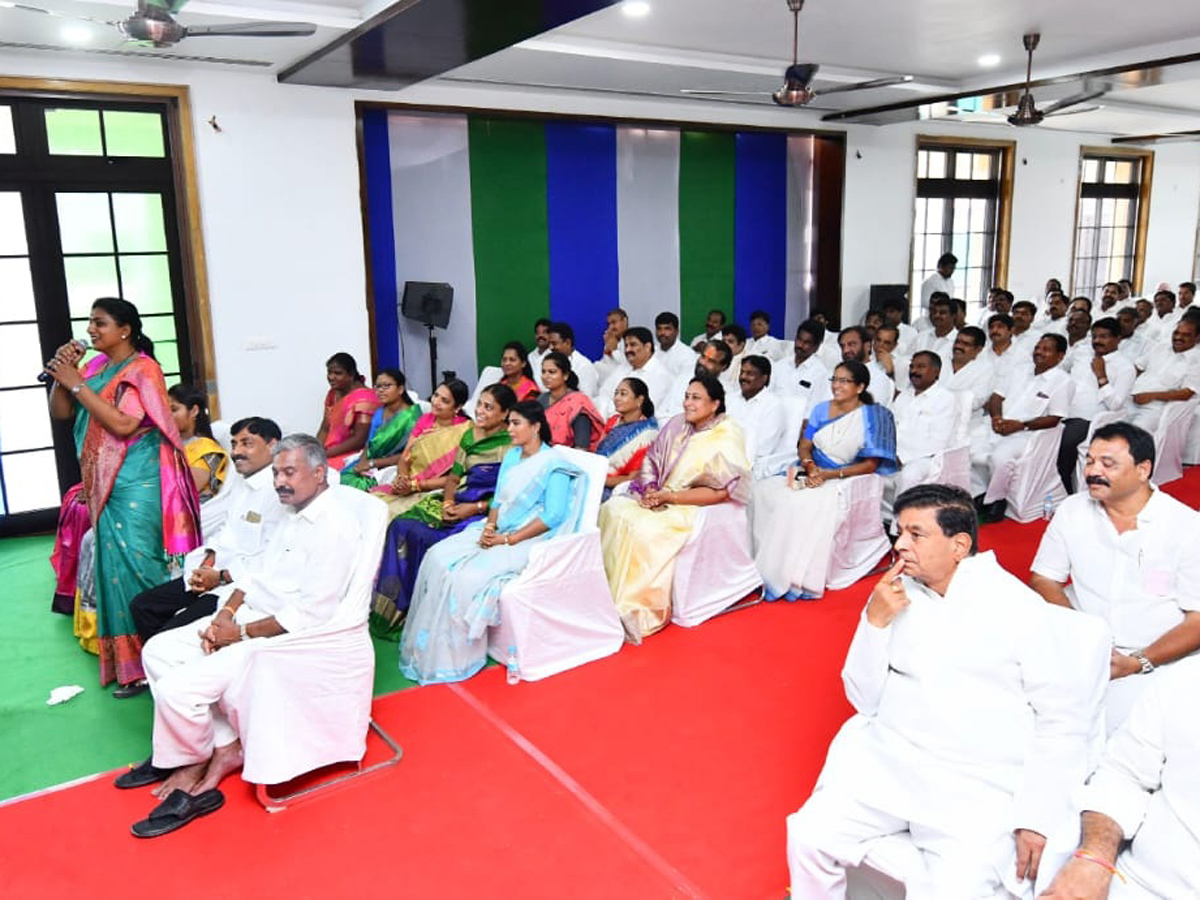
(838, 380)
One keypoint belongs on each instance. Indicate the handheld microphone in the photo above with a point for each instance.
(45, 377)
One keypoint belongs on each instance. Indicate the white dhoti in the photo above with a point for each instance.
(1146, 415)
(1002, 465)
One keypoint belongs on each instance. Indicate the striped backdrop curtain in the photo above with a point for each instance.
(566, 219)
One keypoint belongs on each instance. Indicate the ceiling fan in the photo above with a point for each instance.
(797, 89)
(1027, 113)
(152, 24)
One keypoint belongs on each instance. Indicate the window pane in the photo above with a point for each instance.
(1119, 172)
(167, 354)
(30, 481)
(139, 219)
(74, 132)
(982, 168)
(962, 165)
(20, 356)
(146, 283)
(8, 139)
(133, 133)
(24, 420)
(12, 225)
(922, 163)
(1091, 171)
(937, 164)
(89, 277)
(159, 328)
(16, 291)
(83, 223)
(1087, 212)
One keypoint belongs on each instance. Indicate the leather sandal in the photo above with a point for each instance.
(176, 811)
(142, 774)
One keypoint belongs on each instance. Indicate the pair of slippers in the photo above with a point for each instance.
(177, 810)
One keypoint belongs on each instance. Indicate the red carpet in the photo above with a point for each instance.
(664, 771)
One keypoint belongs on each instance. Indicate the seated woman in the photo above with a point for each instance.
(390, 428)
(349, 406)
(465, 498)
(518, 374)
(430, 450)
(697, 459)
(573, 419)
(628, 434)
(539, 494)
(207, 459)
(843, 437)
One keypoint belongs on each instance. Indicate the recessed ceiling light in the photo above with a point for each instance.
(989, 60)
(77, 34)
(635, 9)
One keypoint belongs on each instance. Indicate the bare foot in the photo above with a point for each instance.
(182, 779)
(225, 760)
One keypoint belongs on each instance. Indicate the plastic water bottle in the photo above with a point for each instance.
(1048, 507)
(514, 672)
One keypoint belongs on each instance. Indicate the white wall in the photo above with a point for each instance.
(279, 194)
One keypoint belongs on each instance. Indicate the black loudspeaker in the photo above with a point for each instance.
(427, 302)
(881, 292)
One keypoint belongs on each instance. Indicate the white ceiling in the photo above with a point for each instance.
(743, 45)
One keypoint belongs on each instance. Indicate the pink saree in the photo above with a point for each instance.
(341, 414)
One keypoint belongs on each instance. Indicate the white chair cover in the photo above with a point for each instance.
(1170, 437)
(1084, 643)
(1036, 476)
(860, 540)
(328, 672)
(489, 375)
(1191, 449)
(715, 569)
(950, 466)
(558, 613)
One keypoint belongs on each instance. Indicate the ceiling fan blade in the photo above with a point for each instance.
(22, 7)
(865, 85)
(254, 29)
(1074, 99)
(1171, 137)
(1080, 109)
(726, 93)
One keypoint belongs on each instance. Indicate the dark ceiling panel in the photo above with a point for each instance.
(418, 39)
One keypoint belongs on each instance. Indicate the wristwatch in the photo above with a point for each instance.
(1140, 656)
(242, 633)
(75, 390)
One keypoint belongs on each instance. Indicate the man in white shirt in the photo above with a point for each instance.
(806, 375)
(926, 414)
(906, 336)
(855, 346)
(761, 343)
(1001, 353)
(299, 585)
(1171, 375)
(999, 302)
(970, 372)
(759, 412)
(1079, 344)
(713, 360)
(1187, 294)
(640, 362)
(939, 339)
(713, 323)
(1135, 343)
(674, 354)
(1141, 807)
(562, 339)
(964, 738)
(940, 281)
(1024, 335)
(613, 357)
(735, 336)
(884, 352)
(252, 515)
(1025, 406)
(1129, 553)
(1110, 296)
(541, 346)
(1102, 383)
(1055, 320)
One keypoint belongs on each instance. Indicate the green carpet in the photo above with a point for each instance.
(44, 745)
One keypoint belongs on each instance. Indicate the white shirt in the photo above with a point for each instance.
(770, 347)
(1078, 352)
(809, 380)
(959, 697)
(882, 388)
(975, 378)
(672, 404)
(1142, 581)
(535, 362)
(763, 420)
(1004, 364)
(933, 283)
(307, 565)
(1149, 784)
(906, 339)
(253, 515)
(942, 346)
(679, 359)
(1048, 394)
(830, 350)
(703, 336)
(1090, 399)
(610, 361)
(1137, 347)
(589, 381)
(730, 376)
(654, 373)
(1167, 370)
(924, 421)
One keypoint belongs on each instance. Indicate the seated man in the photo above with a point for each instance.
(1129, 553)
(613, 357)
(940, 338)
(894, 309)
(254, 514)
(713, 323)
(299, 585)
(1026, 405)
(714, 360)
(884, 353)
(1171, 374)
(761, 342)
(1139, 808)
(562, 338)
(640, 362)
(672, 352)
(541, 346)
(735, 336)
(962, 739)
(806, 375)
(1079, 345)
(856, 346)
(970, 371)
(1004, 356)
(760, 413)
(926, 414)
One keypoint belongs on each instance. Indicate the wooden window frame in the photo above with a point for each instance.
(1143, 211)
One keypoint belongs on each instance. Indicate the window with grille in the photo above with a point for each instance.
(961, 208)
(1112, 192)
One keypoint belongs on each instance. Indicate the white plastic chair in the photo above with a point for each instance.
(860, 540)
(489, 375)
(950, 466)
(1191, 449)
(559, 613)
(1170, 438)
(715, 569)
(1036, 477)
(1084, 643)
(328, 671)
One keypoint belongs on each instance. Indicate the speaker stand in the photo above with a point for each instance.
(433, 382)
